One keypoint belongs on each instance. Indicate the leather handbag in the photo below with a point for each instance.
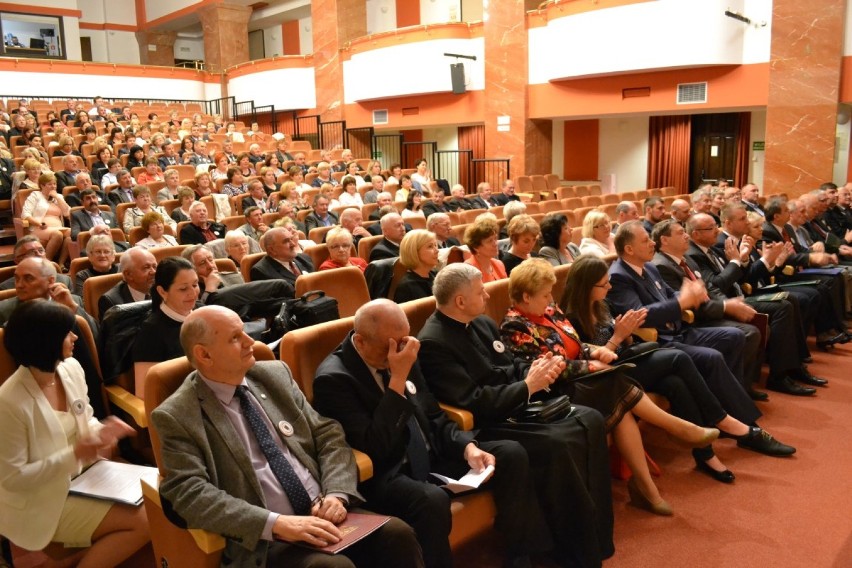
(546, 411)
(310, 309)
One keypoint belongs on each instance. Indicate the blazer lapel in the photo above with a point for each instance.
(57, 434)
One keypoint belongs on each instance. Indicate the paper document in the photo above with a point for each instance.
(113, 481)
(472, 480)
(354, 528)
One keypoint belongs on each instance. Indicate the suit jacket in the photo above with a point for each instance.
(450, 242)
(192, 235)
(462, 204)
(211, 482)
(384, 249)
(771, 235)
(115, 296)
(431, 207)
(63, 179)
(166, 162)
(464, 368)
(479, 202)
(118, 196)
(36, 461)
(631, 292)
(82, 221)
(725, 279)
(9, 283)
(673, 274)
(375, 421)
(312, 221)
(754, 207)
(270, 269)
(502, 199)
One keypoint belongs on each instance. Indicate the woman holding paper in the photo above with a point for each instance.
(50, 435)
(535, 326)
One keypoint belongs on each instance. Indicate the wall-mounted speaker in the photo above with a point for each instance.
(457, 76)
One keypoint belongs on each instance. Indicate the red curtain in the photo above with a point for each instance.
(470, 138)
(668, 152)
(743, 149)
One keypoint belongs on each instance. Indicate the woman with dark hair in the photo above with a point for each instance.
(413, 205)
(49, 435)
(173, 297)
(245, 165)
(556, 245)
(421, 179)
(90, 133)
(82, 119)
(418, 252)
(481, 238)
(352, 169)
(350, 195)
(235, 184)
(99, 167)
(395, 175)
(669, 372)
(534, 327)
(271, 162)
(136, 159)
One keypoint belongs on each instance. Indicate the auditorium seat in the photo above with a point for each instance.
(346, 285)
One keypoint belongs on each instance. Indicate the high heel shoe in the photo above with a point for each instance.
(707, 437)
(638, 500)
(726, 476)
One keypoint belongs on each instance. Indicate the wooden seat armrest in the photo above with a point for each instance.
(687, 316)
(129, 403)
(463, 418)
(207, 541)
(788, 270)
(746, 287)
(646, 333)
(364, 464)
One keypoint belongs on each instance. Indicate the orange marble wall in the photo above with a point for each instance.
(165, 44)
(527, 143)
(334, 24)
(804, 79)
(225, 35)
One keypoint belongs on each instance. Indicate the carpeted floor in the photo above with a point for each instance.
(793, 512)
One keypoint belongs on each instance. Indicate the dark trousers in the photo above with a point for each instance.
(393, 544)
(752, 352)
(570, 470)
(716, 352)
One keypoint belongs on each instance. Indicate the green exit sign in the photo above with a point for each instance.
(758, 145)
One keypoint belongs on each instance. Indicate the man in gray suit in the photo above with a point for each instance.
(221, 480)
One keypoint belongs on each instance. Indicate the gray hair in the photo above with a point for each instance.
(388, 219)
(189, 251)
(99, 240)
(451, 279)
(195, 205)
(435, 218)
(232, 236)
(697, 195)
(513, 208)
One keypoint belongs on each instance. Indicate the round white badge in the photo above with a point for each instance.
(286, 428)
(263, 396)
(498, 346)
(78, 407)
(409, 386)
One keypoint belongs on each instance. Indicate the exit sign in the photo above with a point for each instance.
(758, 145)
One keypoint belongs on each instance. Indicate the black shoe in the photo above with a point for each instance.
(726, 476)
(808, 379)
(807, 359)
(787, 386)
(761, 441)
(758, 395)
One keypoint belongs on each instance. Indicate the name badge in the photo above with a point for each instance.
(498, 346)
(409, 386)
(286, 428)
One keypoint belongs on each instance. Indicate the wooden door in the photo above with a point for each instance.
(714, 148)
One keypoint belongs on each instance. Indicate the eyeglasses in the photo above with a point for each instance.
(340, 247)
(604, 285)
(602, 226)
(32, 252)
(713, 228)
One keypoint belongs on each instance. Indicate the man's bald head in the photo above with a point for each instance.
(680, 210)
(373, 315)
(380, 326)
(214, 342)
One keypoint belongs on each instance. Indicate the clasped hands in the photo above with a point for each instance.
(317, 529)
(101, 444)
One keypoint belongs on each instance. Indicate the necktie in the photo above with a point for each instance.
(282, 469)
(686, 270)
(295, 269)
(721, 266)
(418, 455)
(785, 236)
(819, 230)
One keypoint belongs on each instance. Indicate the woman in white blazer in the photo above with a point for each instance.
(49, 436)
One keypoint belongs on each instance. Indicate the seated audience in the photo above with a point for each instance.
(339, 243)
(254, 227)
(557, 247)
(481, 238)
(154, 226)
(172, 187)
(320, 216)
(186, 197)
(438, 204)
(234, 182)
(137, 267)
(350, 195)
(393, 230)
(101, 253)
(483, 198)
(413, 206)
(523, 235)
(45, 211)
(418, 252)
(152, 172)
(507, 193)
(350, 219)
(283, 258)
(257, 198)
(133, 215)
(90, 217)
(26, 247)
(200, 230)
(597, 238)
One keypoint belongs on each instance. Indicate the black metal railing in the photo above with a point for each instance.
(492, 170)
(332, 134)
(244, 111)
(307, 128)
(285, 123)
(413, 151)
(264, 116)
(387, 148)
(455, 167)
(360, 141)
(226, 106)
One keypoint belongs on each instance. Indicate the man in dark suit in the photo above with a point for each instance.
(717, 352)
(169, 157)
(750, 196)
(459, 202)
(393, 230)
(466, 365)
(282, 260)
(249, 459)
(70, 169)
(507, 193)
(655, 210)
(320, 216)
(784, 349)
(91, 218)
(383, 199)
(26, 247)
(373, 386)
(199, 230)
(834, 217)
(200, 157)
(440, 224)
(83, 181)
(350, 219)
(483, 199)
(137, 267)
(437, 205)
(124, 192)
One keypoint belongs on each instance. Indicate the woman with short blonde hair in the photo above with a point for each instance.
(597, 236)
(418, 252)
(523, 234)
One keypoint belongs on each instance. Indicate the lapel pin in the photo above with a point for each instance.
(498, 346)
(409, 386)
(263, 396)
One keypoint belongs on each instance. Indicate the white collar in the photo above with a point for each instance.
(173, 314)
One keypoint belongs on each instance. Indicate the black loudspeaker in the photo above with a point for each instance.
(457, 76)
(47, 32)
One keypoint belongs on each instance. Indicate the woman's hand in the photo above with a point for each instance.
(604, 355)
(595, 366)
(627, 323)
(543, 372)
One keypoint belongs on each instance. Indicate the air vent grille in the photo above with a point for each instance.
(380, 116)
(691, 93)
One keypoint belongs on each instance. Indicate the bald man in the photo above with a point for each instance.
(373, 386)
(249, 459)
(680, 210)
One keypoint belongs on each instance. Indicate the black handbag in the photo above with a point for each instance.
(546, 411)
(636, 350)
(310, 309)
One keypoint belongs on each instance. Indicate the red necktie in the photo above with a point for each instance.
(295, 269)
(784, 235)
(689, 273)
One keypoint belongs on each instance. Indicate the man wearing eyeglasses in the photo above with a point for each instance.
(26, 247)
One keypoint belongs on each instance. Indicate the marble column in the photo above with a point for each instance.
(333, 24)
(804, 81)
(509, 133)
(225, 35)
(163, 52)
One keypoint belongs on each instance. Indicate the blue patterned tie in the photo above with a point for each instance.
(282, 469)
